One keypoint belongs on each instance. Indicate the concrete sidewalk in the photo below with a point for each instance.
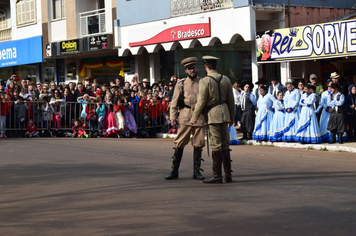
(346, 147)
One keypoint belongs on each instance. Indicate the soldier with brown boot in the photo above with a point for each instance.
(216, 99)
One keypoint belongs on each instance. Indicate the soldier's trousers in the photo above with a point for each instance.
(183, 136)
(219, 137)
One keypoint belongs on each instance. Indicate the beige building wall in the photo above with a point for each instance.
(71, 19)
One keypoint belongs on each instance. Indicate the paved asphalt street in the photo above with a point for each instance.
(116, 187)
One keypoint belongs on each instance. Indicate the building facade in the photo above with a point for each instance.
(20, 39)
(149, 34)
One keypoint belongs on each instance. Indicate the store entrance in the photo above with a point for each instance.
(106, 74)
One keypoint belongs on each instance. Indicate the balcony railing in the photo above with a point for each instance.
(92, 22)
(186, 7)
(5, 35)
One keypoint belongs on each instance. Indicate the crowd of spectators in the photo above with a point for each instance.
(299, 111)
(89, 109)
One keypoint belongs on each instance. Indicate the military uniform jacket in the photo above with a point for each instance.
(209, 95)
(191, 90)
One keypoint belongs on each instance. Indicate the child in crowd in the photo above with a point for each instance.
(85, 127)
(167, 125)
(100, 111)
(47, 111)
(154, 110)
(277, 128)
(31, 129)
(164, 108)
(56, 104)
(109, 121)
(119, 118)
(130, 123)
(91, 116)
(84, 101)
(3, 112)
(78, 130)
(20, 108)
(37, 114)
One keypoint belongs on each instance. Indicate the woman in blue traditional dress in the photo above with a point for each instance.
(277, 127)
(291, 104)
(264, 115)
(308, 128)
(325, 115)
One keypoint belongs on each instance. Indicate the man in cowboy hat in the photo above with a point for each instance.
(275, 86)
(260, 83)
(216, 97)
(146, 83)
(248, 103)
(335, 77)
(185, 98)
(337, 121)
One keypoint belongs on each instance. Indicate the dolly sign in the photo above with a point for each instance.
(332, 39)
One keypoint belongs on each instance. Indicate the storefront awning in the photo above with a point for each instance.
(205, 29)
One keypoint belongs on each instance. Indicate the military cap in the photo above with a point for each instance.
(210, 59)
(189, 61)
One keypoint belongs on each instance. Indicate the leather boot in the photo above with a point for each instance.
(227, 165)
(244, 137)
(217, 162)
(177, 157)
(340, 138)
(197, 162)
(333, 137)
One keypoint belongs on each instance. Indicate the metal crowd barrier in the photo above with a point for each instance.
(51, 119)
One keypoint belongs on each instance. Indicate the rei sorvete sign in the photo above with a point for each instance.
(21, 52)
(332, 39)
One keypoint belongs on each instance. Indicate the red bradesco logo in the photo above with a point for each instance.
(177, 33)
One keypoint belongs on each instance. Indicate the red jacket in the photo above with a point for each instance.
(119, 107)
(90, 110)
(154, 109)
(31, 129)
(164, 106)
(141, 106)
(4, 108)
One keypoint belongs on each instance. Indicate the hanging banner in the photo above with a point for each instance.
(333, 39)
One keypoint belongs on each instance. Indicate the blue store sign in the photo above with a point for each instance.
(21, 52)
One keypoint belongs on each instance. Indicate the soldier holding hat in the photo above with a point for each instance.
(216, 97)
(185, 99)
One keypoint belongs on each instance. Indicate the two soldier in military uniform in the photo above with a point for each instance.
(213, 97)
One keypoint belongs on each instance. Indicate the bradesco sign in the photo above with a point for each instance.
(21, 52)
(313, 41)
(155, 34)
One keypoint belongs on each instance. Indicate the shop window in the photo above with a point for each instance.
(58, 9)
(61, 71)
(3, 24)
(26, 12)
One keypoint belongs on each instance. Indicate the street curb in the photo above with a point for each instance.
(322, 147)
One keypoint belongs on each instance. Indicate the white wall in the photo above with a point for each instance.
(25, 31)
(58, 30)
